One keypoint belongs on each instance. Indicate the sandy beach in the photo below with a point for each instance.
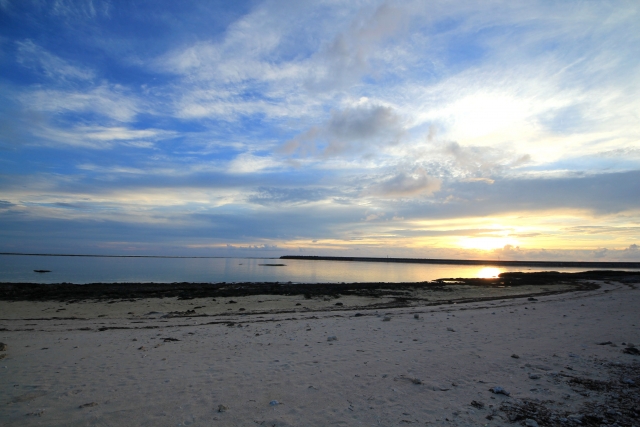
(559, 359)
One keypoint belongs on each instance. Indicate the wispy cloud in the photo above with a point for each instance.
(35, 57)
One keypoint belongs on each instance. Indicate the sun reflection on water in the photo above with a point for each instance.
(488, 272)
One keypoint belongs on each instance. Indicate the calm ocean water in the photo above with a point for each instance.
(81, 270)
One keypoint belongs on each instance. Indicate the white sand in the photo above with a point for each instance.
(52, 366)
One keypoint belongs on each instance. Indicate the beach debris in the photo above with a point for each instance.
(451, 330)
(515, 356)
(576, 418)
(531, 299)
(42, 271)
(332, 338)
(416, 316)
(499, 390)
(413, 380)
(37, 413)
(631, 350)
(170, 339)
(605, 343)
(339, 303)
(28, 396)
(386, 319)
(274, 403)
(530, 423)
(88, 405)
(358, 315)
(222, 408)
(534, 376)
(3, 346)
(232, 302)
(143, 348)
(477, 405)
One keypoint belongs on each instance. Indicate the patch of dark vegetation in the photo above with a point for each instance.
(615, 401)
(400, 291)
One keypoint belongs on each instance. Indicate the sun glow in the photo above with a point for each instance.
(488, 272)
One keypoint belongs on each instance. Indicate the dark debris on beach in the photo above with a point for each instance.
(399, 291)
(614, 401)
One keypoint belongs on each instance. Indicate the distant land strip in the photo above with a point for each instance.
(580, 264)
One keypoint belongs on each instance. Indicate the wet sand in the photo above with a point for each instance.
(185, 359)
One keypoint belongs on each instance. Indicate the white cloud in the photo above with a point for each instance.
(110, 101)
(98, 137)
(33, 56)
(346, 58)
(250, 163)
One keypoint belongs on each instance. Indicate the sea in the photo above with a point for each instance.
(89, 269)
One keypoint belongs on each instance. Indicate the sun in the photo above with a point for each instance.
(488, 272)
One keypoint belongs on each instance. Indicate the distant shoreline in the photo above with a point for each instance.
(567, 264)
(578, 264)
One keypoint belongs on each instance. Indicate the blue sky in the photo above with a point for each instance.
(456, 129)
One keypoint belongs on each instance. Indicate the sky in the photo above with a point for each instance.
(427, 129)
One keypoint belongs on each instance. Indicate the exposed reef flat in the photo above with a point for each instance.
(215, 299)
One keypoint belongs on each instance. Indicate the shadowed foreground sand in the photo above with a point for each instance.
(287, 370)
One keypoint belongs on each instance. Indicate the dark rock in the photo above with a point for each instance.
(88, 405)
(3, 346)
(476, 404)
(632, 350)
(515, 356)
(222, 408)
(499, 390)
(605, 343)
(42, 271)
(339, 303)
